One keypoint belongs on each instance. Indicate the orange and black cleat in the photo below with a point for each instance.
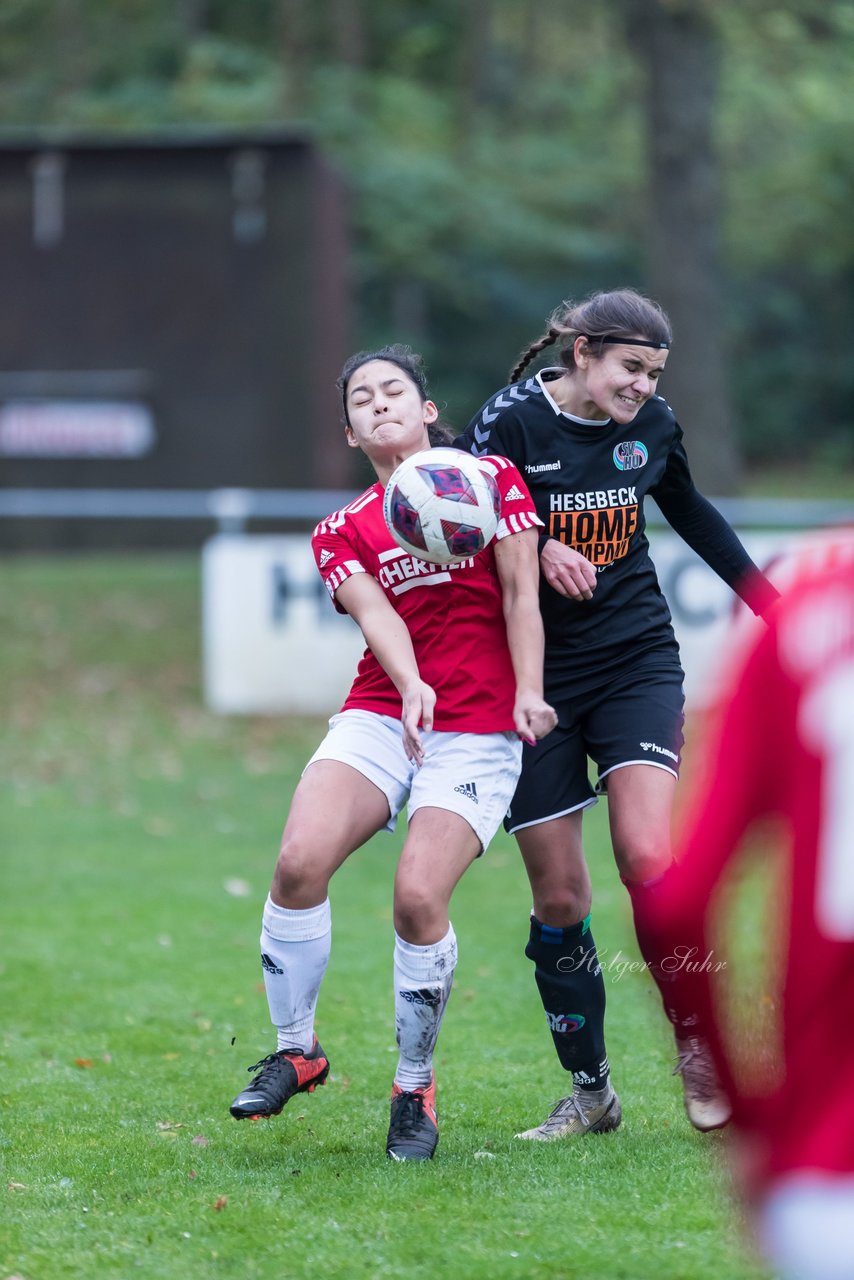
(414, 1131)
(281, 1075)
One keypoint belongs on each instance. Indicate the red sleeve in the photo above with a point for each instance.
(518, 511)
(336, 550)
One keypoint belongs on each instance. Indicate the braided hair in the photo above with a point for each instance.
(410, 363)
(606, 316)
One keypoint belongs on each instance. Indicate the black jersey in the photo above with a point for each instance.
(589, 481)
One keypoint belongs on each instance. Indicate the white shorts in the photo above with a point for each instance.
(806, 1226)
(472, 774)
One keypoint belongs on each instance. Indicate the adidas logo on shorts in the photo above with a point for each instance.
(468, 789)
(514, 494)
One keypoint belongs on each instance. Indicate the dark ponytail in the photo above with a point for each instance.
(534, 350)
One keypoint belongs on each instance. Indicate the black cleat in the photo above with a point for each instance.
(413, 1132)
(282, 1074)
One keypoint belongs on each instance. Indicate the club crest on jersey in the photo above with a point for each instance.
(629, 455)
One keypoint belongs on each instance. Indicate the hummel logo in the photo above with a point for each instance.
(468, 789)
(661, 751)
(515, 494)
(325, 557)
(269, 964)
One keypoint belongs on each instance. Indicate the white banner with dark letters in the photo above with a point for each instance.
(274, 644)
(273, 641)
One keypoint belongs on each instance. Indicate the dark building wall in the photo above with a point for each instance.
(203, 278)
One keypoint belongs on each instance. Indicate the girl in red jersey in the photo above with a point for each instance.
(783, 749)
(449, 684)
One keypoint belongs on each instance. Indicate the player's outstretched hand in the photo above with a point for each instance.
(567, 571)
(533, 717)
(419, 701)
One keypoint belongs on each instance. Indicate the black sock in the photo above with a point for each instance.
(572, 989)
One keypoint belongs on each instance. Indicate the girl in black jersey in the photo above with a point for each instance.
(592, 438)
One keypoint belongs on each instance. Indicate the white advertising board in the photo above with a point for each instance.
(273, 641)
(274, 644)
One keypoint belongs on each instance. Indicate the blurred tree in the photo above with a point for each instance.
(679, 47)
(293, 40)
(348, 28)
(786, 122)
(497, 156)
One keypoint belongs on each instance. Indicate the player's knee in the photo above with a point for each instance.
(562, 905)
(417, 912)
(296, 873)
(641, 860)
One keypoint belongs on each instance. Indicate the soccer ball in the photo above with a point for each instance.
(442, 505)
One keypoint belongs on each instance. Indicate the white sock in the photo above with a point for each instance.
(295, 947)
(422, 985)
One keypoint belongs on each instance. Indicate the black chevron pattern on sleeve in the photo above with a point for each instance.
(507, 397)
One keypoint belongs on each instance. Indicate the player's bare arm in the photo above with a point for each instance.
(388, 638)
(516, 562)
(567, 571)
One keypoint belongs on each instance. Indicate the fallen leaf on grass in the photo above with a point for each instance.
(16, 1186)
(192, 1174)
(200, 1141)
(169, 1124)
(83, 1062)
(237, 888)
(220, 1203)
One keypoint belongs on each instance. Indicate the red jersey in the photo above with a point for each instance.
(454, 613)
(785, 748)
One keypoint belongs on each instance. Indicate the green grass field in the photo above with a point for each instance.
(138, 837)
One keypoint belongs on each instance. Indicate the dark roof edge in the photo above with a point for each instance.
(177, 136)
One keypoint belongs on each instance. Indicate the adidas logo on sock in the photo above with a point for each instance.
(468, 789)
(514, 494)
(269, 964)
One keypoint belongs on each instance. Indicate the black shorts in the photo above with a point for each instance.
(636, 718)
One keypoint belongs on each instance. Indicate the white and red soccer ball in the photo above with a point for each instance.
(442, 505)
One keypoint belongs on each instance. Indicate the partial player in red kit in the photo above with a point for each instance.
(785, 750)
(450, 683)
